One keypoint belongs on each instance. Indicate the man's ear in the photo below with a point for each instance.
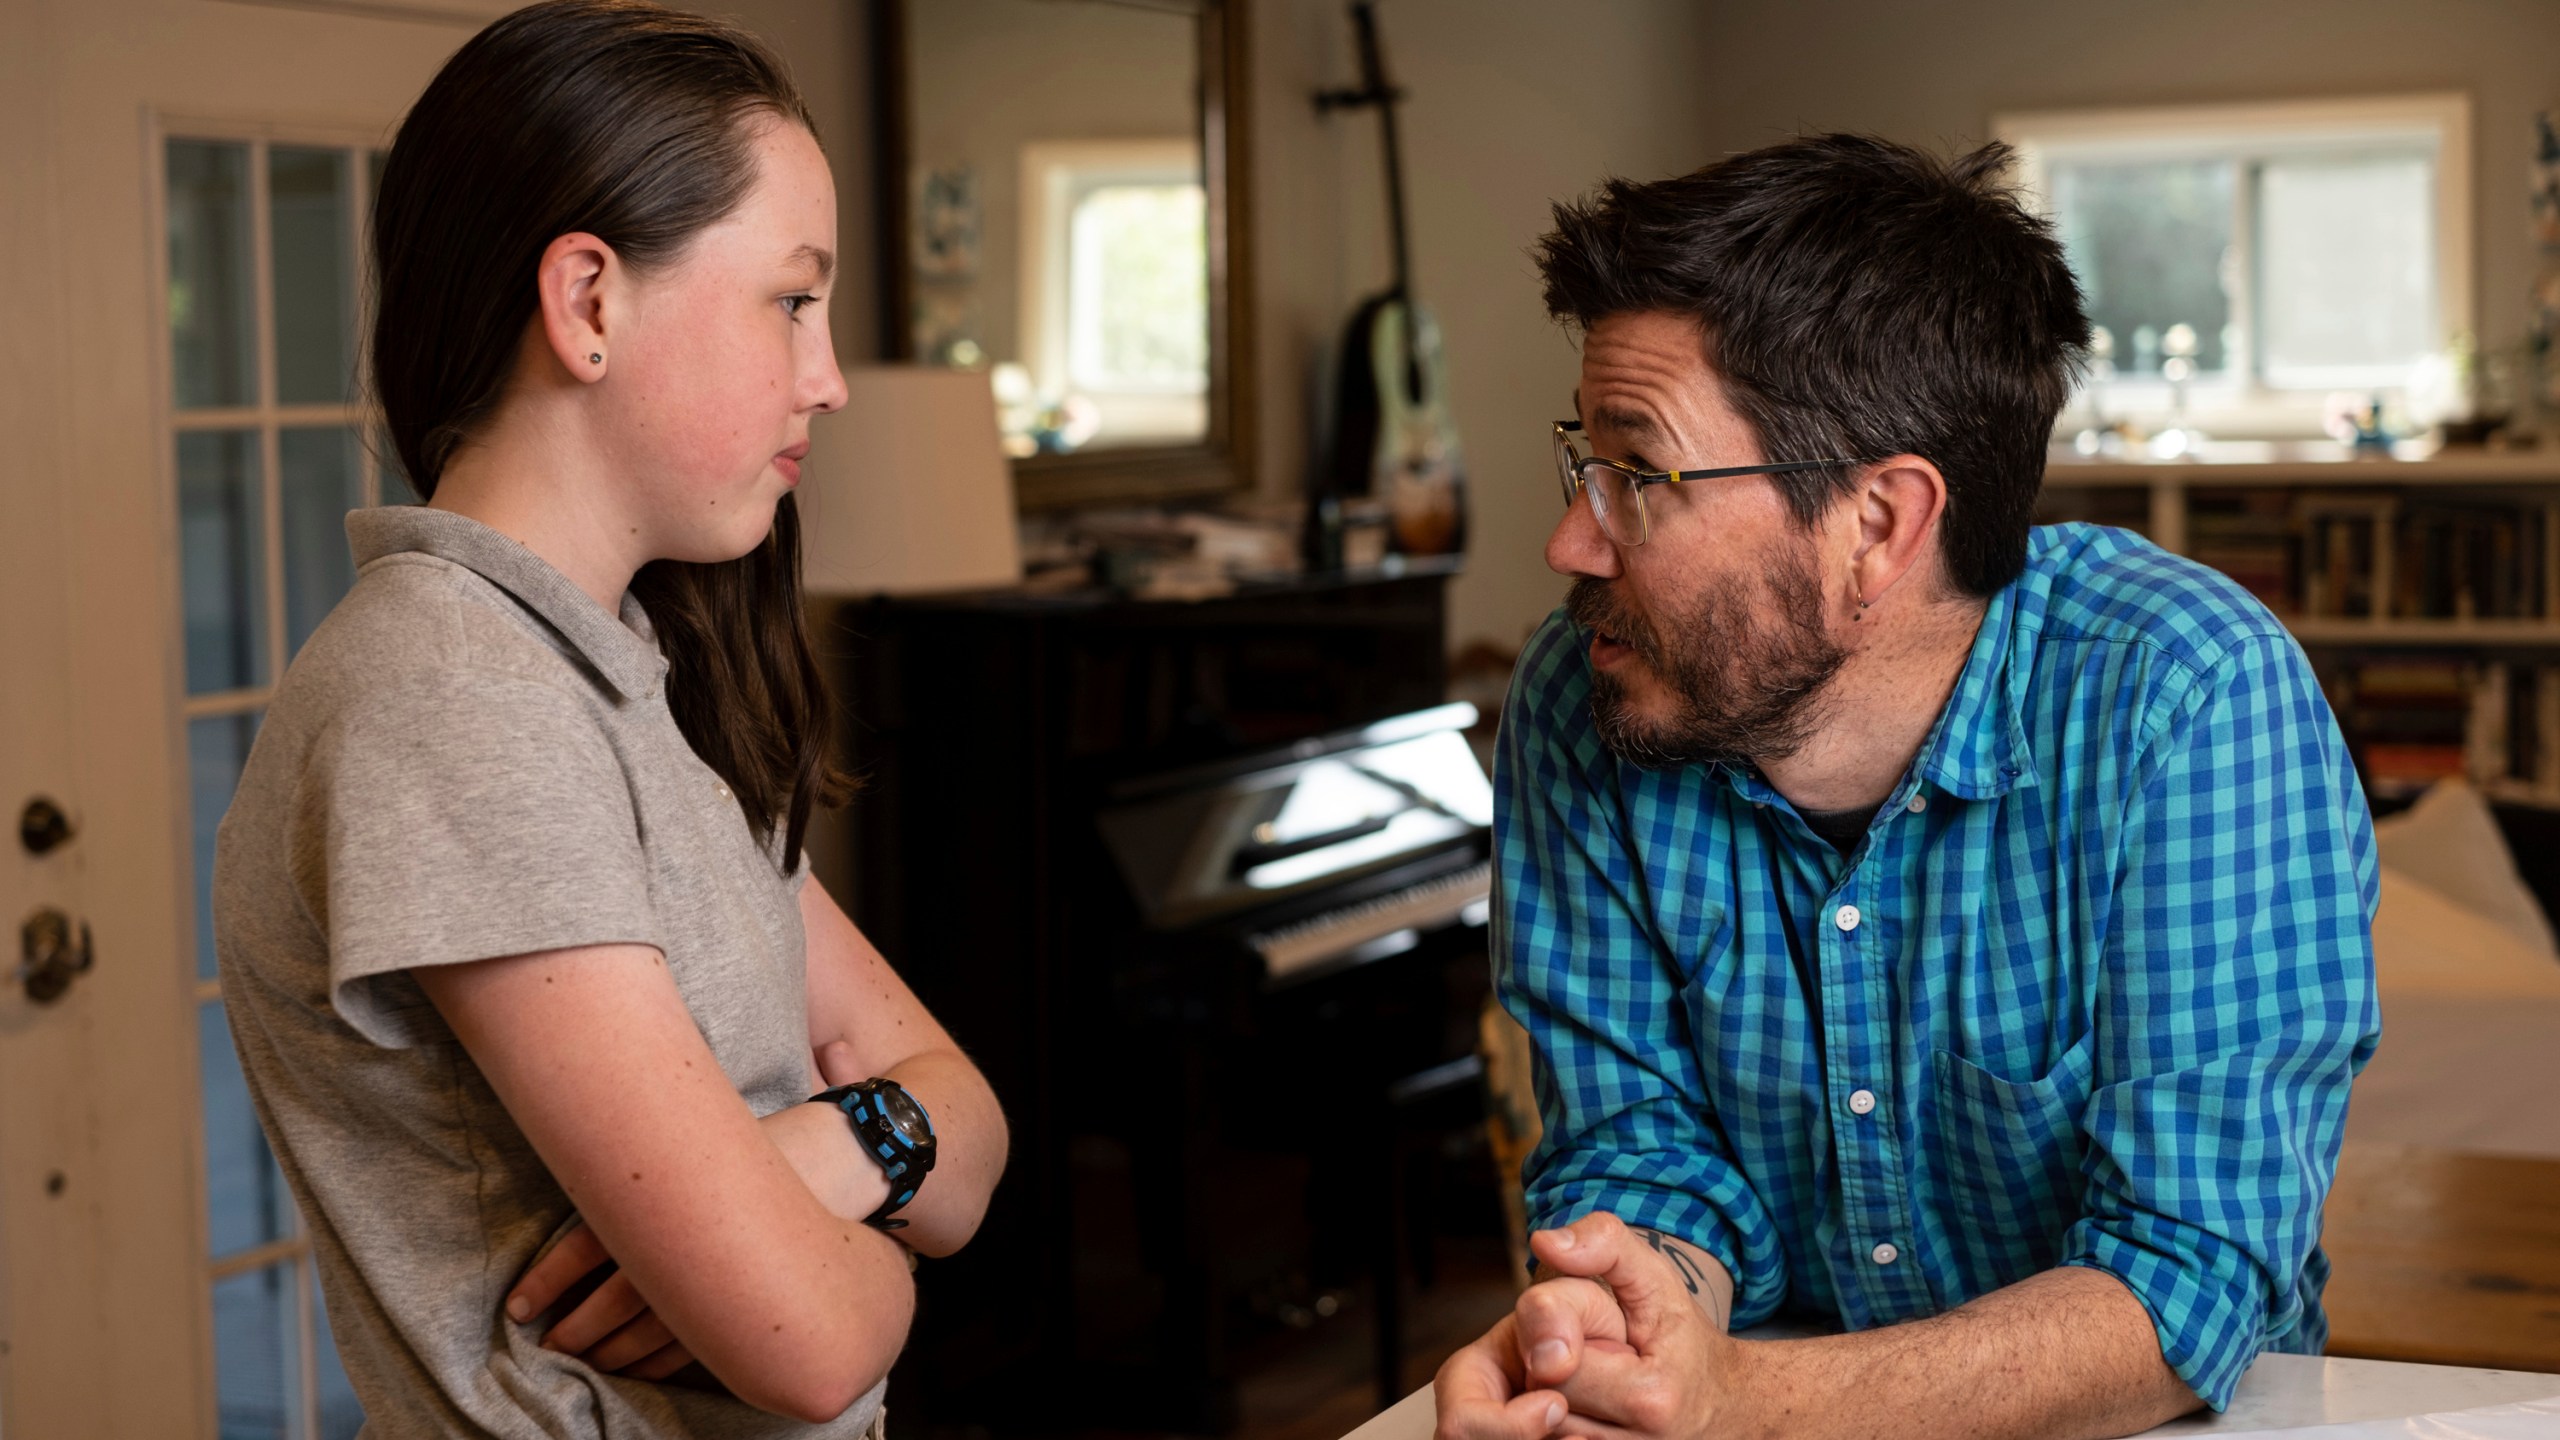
(580, 283)
(1897, 506)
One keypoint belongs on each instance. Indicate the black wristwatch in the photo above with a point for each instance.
(897, 1133)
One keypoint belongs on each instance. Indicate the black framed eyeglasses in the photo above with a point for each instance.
(1617, 488)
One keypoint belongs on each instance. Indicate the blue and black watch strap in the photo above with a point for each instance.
(895, 1130)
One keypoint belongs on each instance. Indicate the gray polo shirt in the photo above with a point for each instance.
(471, 759)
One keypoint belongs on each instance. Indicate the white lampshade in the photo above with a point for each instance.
(907, 488)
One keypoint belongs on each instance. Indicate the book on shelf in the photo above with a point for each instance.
(2409, 721)
(2371, 556)
(2253, 538)
(2471, 562)
(2512, 743)
(2346, 546)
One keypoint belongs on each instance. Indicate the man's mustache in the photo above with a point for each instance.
(1593, 607)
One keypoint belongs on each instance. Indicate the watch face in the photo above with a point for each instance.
(902, 1112)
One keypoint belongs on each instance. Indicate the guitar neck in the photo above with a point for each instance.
(1373, 67)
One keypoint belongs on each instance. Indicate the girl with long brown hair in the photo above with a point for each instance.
(522, 958)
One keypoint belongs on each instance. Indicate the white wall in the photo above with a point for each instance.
(1512, 105)
(821, 41)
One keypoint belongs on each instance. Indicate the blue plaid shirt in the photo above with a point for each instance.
(2089, 992)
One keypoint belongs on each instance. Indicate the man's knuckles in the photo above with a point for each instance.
(1632, 1394)
(1600, 1227)
(1590, 1246)
(1651, 1408)
(1570, 1310)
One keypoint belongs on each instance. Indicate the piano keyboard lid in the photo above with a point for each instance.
(1198, 844)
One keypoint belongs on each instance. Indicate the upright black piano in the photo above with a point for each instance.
(1199, 886)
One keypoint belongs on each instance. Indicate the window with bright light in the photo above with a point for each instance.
(1138, 289)
(1116, 284)
(2247, 262)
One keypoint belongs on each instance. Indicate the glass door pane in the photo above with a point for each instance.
(340, 1416)
(263, 494)
(257, 1355)
(323, 475)
(246, 1203)
(312, 274)
(222, 552)
(214, 349)
(217, 748)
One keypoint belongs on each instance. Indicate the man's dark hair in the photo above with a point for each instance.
(1857, 298)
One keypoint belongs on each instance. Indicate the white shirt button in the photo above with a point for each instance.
(1862, 1102)
(1846, 917)
(1919, 802)
(1884, 1254)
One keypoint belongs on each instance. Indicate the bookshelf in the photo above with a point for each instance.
(2424, 585)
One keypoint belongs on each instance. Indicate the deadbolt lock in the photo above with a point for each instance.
(42, 826)
(51, 956)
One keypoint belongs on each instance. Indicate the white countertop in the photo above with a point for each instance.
(2279, 1392)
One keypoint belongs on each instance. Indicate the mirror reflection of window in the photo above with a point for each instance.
(1115, 289)
(1058, 217)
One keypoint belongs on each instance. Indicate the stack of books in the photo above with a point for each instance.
(2408, 720)
(2376, 556)
(2253, 538)
(2470, 562)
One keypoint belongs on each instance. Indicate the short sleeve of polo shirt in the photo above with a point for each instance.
(473, 815)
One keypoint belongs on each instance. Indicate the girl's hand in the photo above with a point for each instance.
(838, 1066)
(613, 1328)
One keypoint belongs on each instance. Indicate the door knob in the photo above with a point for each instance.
(42, 826)
(51, 956)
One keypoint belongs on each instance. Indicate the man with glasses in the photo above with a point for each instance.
(1944, 934)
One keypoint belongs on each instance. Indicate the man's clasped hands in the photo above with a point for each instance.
(1612, 1345)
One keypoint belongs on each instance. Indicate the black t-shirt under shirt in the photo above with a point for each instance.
(1843, 828)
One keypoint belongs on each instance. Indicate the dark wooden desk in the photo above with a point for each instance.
(2445, 1258)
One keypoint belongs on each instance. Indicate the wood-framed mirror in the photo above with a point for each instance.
(1063, 203)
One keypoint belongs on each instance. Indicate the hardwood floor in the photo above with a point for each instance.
(1323, 1386)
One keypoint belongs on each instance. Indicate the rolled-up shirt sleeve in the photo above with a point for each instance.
(2236, 1005)
(1629, 1126)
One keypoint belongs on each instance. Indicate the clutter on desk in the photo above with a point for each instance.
(1155, 553)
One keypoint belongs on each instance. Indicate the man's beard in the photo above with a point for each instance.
(1743, 686)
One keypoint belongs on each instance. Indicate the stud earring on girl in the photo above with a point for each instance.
(595, 359)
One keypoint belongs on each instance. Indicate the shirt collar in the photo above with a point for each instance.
(624, 651)
(1978, 749)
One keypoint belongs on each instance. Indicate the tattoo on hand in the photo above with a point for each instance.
(1679, 1256)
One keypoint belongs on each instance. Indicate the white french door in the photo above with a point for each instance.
(263, 228)
(182, 190)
